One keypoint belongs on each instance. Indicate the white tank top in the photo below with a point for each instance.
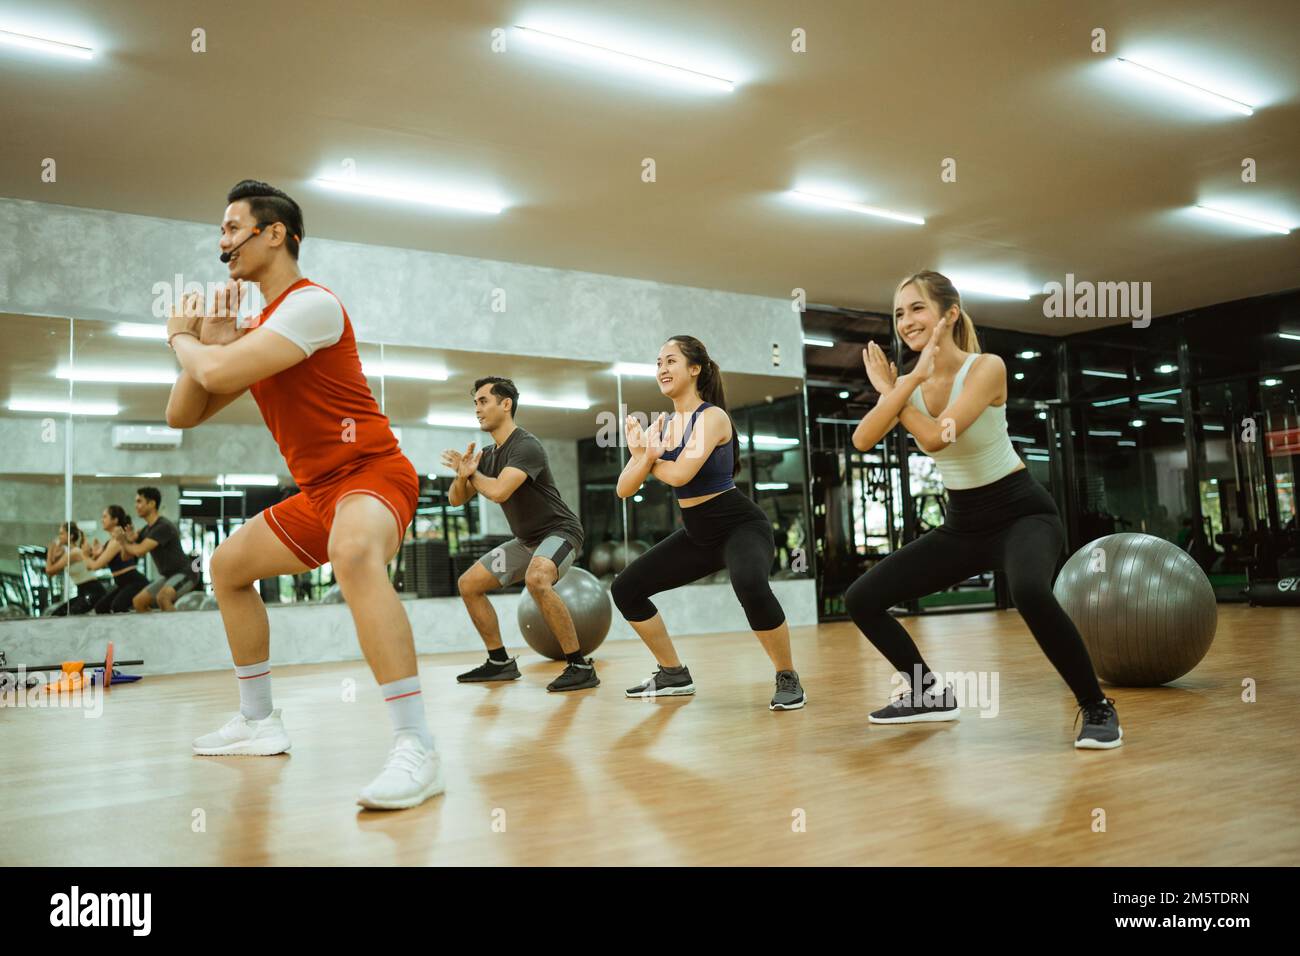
(79, 573)
(983, 453)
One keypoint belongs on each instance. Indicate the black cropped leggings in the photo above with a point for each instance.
(1011, 525)
(728, 531)
(118, 599)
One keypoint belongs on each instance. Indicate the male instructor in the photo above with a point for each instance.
(358, 491)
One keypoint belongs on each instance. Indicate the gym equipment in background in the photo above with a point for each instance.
(72, 674)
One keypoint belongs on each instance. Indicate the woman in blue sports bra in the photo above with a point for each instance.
(127, 579)
(696, 451)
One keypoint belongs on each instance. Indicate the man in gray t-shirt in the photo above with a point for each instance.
(535, 509)
(515, 474)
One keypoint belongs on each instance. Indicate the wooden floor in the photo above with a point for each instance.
(593, 778)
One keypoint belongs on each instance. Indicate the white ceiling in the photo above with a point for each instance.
(1064, 166)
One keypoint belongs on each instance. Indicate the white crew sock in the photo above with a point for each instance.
(254, 690)
(406, 708)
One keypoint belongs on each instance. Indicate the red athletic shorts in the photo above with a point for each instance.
(303, 521)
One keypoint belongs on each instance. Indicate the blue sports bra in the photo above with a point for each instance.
(716, 474)
(121, 562)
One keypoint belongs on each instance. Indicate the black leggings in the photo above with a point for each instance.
(125, 587)
(728, 531)
(1011, 524)
(87, 596)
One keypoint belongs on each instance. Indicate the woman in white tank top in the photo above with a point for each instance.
(953, 402)
(68, 551)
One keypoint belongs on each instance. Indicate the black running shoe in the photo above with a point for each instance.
(660, 684)
(576, 677)
(789, 692)
(492, 670)
(1101, 730)
(907, 710)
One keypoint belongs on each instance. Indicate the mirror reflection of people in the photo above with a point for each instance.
(127, 579)
(68, 551)
(162, 542)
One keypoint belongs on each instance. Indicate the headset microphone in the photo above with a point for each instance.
(226, 256)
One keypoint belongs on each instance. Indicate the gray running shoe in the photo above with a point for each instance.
(907, 710)
(576, 677)
(789, 692)
(1101, 730)
(491, 671)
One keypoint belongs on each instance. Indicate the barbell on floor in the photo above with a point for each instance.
(70, 668)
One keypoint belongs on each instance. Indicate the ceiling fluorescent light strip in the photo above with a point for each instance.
(45, 45)
(1184, 86)
(61, 407)
(140, 330)
(858, 207)
(624, 60)
(991, 287)
(410, 194)
(1239, 219)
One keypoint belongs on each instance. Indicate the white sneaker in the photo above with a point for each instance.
(410, 776)
(241, 737)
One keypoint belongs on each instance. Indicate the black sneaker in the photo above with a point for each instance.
(1101, 730)
(492, 670)
(908, 710)
(789, 692)
(576, 677)
(660, 684)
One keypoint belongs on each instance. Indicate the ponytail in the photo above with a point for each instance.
(963, 334)
(709, 386)
(118, 514)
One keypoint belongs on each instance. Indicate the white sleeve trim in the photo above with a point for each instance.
(310, 318)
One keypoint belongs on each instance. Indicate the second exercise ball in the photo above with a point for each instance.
(589, 605)
(625, 555)
(601, 560)
(191, 602)
(1145, 608)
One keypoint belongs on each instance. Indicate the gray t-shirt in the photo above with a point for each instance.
(536, 509)
(168, 557)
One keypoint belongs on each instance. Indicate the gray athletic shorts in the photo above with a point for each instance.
(509, 562)
(183, 583)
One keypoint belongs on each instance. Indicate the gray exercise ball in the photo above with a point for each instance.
(190, 602)
(589, 605)
(1145, 608)
(623, 556)
(601, 559)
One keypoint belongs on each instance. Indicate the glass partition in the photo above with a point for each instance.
(38, 575)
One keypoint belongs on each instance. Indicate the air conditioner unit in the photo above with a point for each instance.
(146, 436)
